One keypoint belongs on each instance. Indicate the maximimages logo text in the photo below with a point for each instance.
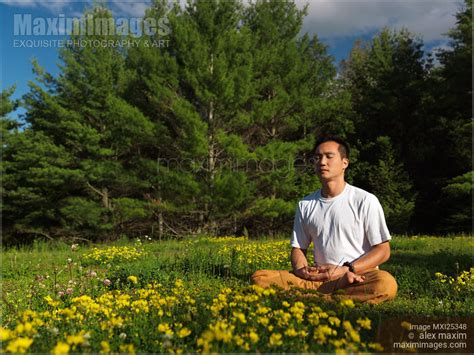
(27, 25)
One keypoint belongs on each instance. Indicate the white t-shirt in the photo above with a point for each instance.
(342, 228)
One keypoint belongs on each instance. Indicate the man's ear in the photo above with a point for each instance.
(345, 161)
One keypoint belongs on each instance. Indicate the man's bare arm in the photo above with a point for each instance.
(298, 258)
(302, 269)
(379, 254)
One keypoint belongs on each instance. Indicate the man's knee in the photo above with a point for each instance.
(281, 278)
(385, 283)
(261, 277)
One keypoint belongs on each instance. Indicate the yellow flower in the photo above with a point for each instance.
(376, 346)
(179, 283)
(165, 328)
(240, 317)
(347, 303)
(61, 348)
(238, 340)
(364, 323)
(275, 340)
(26, 328)
(77, 339)
(338, 343)
(253, 337)
(321, 332)
(222, 331)
(5, 334)
(19, 345)
(133, 279)
(51, 302)
(334, 321)
(353, 334)
(104, 347)
(291, 332)
(183, 332)
(127, 348)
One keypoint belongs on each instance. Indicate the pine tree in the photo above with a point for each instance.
(294, 99)
(387, 78)
(99, 136)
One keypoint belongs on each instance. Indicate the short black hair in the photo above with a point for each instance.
(343, 146)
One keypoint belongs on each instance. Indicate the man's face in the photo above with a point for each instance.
(329, 163)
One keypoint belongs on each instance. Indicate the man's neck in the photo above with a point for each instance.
(332, 188)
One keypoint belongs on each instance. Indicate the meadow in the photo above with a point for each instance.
(195, 295)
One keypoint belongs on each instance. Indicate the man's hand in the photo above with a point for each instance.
(334, 271)
(329, 272)
(311, 273)
(350, 278)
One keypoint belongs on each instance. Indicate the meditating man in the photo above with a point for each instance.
(347, 227)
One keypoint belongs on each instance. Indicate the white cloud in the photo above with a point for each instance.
(341, 18)
(327, 18)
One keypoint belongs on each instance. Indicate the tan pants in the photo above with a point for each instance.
(378, 286)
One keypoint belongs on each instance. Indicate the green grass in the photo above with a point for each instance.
(207, 265)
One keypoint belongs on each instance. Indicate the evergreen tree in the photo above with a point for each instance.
(388, 82)
(388, 180)
(294, 100)
(94, 139)
(456, 204)
(452, 132)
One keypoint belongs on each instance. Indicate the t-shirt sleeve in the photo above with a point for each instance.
(300, 239)
(376, 228)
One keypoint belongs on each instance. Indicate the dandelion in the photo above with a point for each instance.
(19, 345)
(291, 332)
(50, 301)
(347, 303)
(183, 332)
(275, 340)
(127, 348)
(104, 347)
(77, 339)
(334, 321)
(253, 337)
(74, 247)
(5, 334)
(240, 317)
(133, 279)
(107, 282)
(375, 346)
(321, 332)
(364, 323)
(61, 348)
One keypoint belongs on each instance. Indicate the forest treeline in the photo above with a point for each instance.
(213, 133)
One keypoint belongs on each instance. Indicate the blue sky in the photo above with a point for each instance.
(338, 23)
